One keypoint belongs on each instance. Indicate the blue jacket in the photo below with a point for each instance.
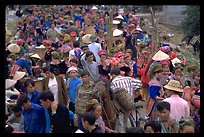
(34, 97)
(34, 119)
(24, 63)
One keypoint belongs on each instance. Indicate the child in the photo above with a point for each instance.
(168, 125)
(153, 127)
(186, 125)
(72, 84)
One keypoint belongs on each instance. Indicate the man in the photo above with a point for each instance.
(58, 113)
(31, 92)
(34, 115)
(130, 85)
(179, 106)
(95, 47)
(88, 121)
(52, 33)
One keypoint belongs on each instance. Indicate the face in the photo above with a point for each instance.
(85, 79)
(188, 129)
(85, 124)
(30, 88)
(166, 68)
(103, 57)
(159, 74)
(122, 59)
(49, 74)
(127, 60)
(149, 129)
(26, 106)
(90, 58)
(73, 73)
(45, 104)
(73, 64)
(164, 115)
(178, 72)
(17, 114)
(85, 50)
(98, 110)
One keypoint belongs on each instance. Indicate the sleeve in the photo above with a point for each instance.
(136, 84)
(43, 120)
(135, 70)
(21, 124)
(10, 118)
(27, 66)
(153, 91)
(64, 89)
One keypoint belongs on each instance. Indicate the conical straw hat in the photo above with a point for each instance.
(159, 56)
(10, 83)
(86, 38)
(35, 56)
(120, 17)
(14, 48)
(175, 60)
(94, 8)
(18, 75)
(117, 32)
(116, 22)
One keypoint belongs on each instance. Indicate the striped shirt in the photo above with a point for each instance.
(128, 83)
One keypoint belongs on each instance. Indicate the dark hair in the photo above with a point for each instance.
(73, 60)
(46, 95)
(135, 130)
(88, 53)
(89, 117)
(155, 125)
(16, 108)
(163, 105)
(22, 99)
(29, 82)
(84, 73)
(115, 71)
(76, 44)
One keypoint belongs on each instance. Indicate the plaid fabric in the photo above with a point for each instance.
(13, 70)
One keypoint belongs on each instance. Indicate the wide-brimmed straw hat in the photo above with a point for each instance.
(117, 32)
(14, 48)
(10, 83)
(18, 75)
(159, 56)
(174, 85)
(35, 56)
(115, 22)
(119, 17)
(86, 39)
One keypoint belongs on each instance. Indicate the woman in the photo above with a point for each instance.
(104, 65)
(155, 91)
(95, 107)
(91, 66)
(178, 75)
(56, 85)
(131, 64)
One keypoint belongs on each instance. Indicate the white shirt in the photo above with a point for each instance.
(95, 48)
(53, 87)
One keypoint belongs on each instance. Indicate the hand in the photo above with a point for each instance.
(112, 131)
(54, 105)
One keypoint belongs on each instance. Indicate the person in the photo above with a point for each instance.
(155, 91)
(91, 66)
(10, 129)
(186, 126)
(135, 130)
(72, 28)
(31, 91)
(131, 64)
(178, 75)
(72, 84)
(84, 49)
(52, 33)
(168, 125)
(16, 119)
(95, 47)
(58, 112)
(84, 94)
(121, 82)
(104, 65)
(88, 121)
(95, 107)
(153, 127)
(56, 85)
(179, 106)
(74, 63)
(195, 111)
(34, 115)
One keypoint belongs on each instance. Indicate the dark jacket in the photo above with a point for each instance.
(95, 130)
(62, 91)
(60, 120)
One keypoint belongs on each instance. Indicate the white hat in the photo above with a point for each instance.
(139, 29)
(14, 48)
(18, 75)
(86, 38)
(175, 60)
(159, 56)
(72, 68)
(116, 22)
(79, 131)
(41, 47)
(120, 17)
(117, 32)
(94, 8)
(120, 11)
(174, 85)
(10, 83)
(35, 56)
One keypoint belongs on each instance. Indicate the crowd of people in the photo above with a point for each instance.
(88, 87)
